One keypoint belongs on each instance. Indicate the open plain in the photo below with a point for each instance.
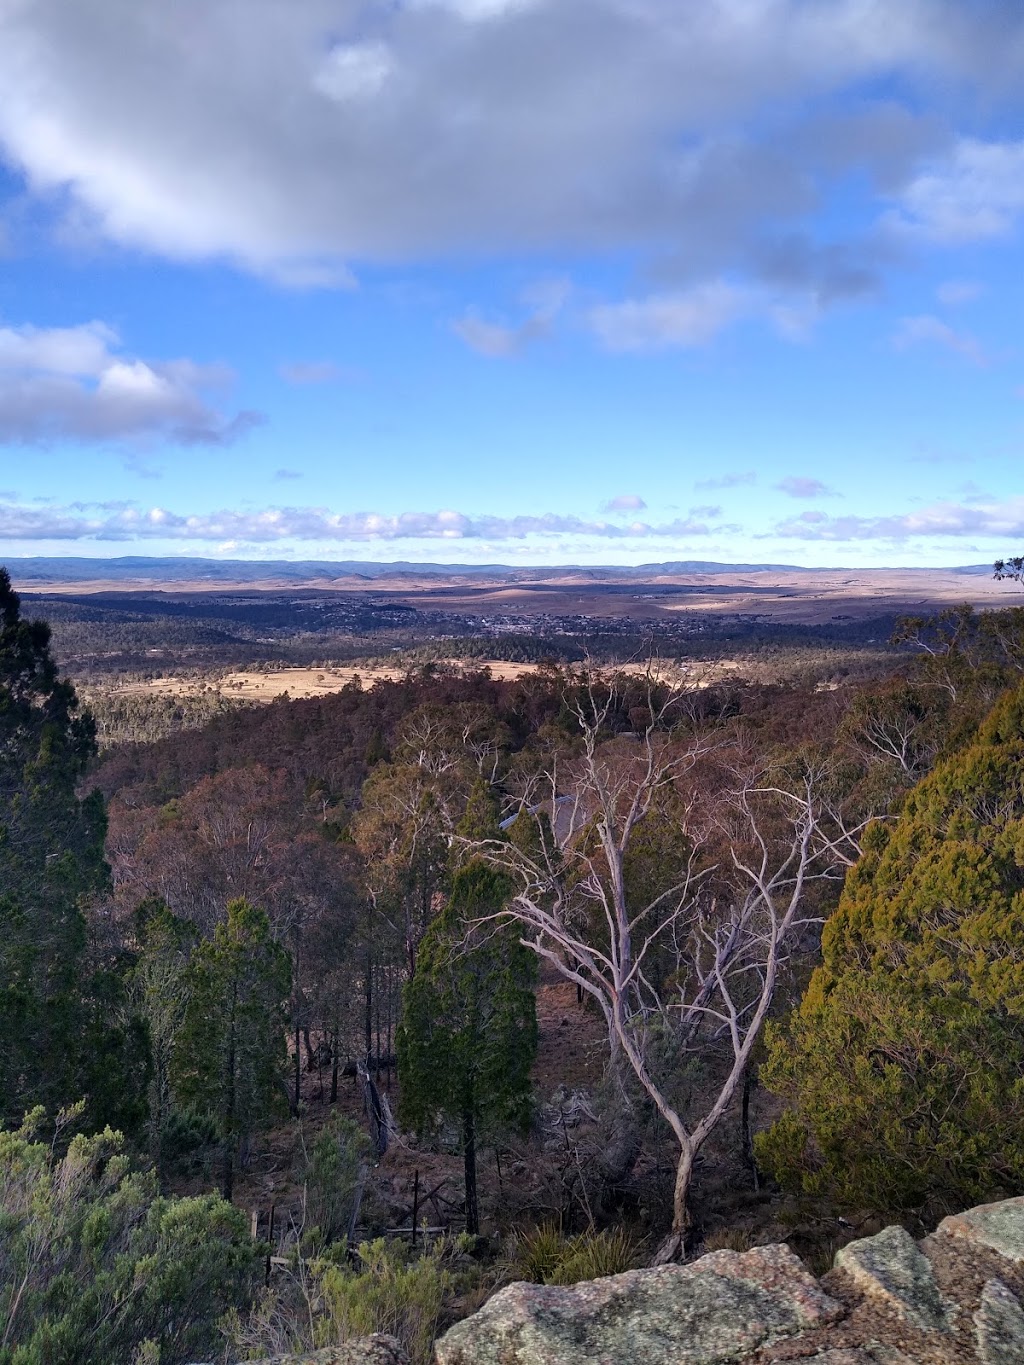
(779, 593)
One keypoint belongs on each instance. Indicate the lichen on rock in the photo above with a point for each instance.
(717, 1310)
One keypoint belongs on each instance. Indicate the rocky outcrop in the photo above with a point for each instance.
(956, 1298)
(893, 1271)
(997, 1226)
(375, 1350)
(720, 1308)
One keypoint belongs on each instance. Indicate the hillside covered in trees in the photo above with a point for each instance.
(332, 1016)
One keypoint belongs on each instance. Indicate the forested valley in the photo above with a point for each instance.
(332, 1016)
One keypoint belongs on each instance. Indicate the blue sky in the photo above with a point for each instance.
(531, 281)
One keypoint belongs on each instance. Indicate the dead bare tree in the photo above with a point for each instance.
(692, 968)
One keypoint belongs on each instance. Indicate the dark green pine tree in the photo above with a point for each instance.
(229, 1052)
(158, 992)
(59, 1002)
(904, 1065)
(480, 818)
(468, 1036)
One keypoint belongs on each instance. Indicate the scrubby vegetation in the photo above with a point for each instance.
(453, 980)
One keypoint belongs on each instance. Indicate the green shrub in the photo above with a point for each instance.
(95, 1268)
(904, 1065)
(332, 1179)
(388, 1293)
(187, 1140)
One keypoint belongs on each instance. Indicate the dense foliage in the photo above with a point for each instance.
(60, 998)
(278, 897)
(96, 1268)
(468, 1037)
(228, 1061)
(904, 1064)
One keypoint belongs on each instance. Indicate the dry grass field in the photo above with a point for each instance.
(267, 685)
(259, 685)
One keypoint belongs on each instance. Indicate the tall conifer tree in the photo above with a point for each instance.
(469, 1028)
(904, 1065)
(229, 1052)
(59, 1007)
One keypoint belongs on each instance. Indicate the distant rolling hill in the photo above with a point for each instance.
(135, 569)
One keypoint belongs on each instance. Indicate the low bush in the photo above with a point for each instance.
(387, 1292)
(95, 1267)
(332, 1178)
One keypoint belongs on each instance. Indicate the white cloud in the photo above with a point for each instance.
(1003, 520)
(354, 71)
(687, 318)
(476, 11)
(797, 487)
(975, 195)
(124, 521)
(73, 383)
(494, 339)
(696, 315)
(294, 138)
(732, 480)
(625, 502)
(499, 341)
(928, 329)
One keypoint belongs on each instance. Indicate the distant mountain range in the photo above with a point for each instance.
(135, 569)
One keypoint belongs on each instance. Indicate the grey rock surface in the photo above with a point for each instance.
(997, 1226)
(999, 1325)
(891, 1269)
(716, 1310)
(842, 1355)
(375, 1350)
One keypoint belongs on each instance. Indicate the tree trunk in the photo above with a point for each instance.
(228, 1173)
(334, 1066)
(297, 1095)
(469, 1153)
(747, 1136)
(674, 1245)
(227, 1178)
(368, 1018)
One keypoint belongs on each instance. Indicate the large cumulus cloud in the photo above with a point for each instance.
(302, 138)
(76, 383)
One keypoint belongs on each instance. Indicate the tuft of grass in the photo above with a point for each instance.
(819, 1258)
(728, 1239)
(538, 1253)
(545, 1255)
(593, 1255)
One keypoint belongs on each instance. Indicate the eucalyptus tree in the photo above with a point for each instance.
(669, 876)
